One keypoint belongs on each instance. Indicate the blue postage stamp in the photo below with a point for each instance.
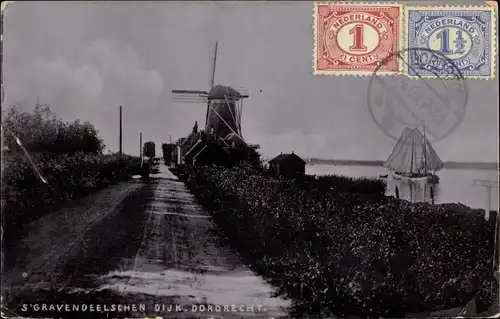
(466, 36)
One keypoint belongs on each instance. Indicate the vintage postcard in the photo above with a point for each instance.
(355, 38)
(179, 159)
(444, 39)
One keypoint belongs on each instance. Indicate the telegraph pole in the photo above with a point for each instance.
(140, 145)
(121, 136)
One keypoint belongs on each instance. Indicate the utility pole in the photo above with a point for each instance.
(121, 136)
(140, 145)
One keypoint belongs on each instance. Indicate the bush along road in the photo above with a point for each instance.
(147, 245)
(335, 251)
(47, 162)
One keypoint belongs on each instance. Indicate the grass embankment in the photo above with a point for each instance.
(338, 245)
(68, 155)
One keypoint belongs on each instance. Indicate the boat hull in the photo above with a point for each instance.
(430, 177)
(401, 177)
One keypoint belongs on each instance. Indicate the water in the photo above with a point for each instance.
(455, 185)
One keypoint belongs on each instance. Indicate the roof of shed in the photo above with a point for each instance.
(283, 156)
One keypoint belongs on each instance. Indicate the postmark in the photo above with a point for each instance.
(464, 34)
(438, 103)
(352, 38)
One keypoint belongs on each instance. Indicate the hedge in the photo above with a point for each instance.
(346, 253)
(68, 155)
(25, 196)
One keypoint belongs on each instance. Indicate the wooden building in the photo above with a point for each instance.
(287, 165)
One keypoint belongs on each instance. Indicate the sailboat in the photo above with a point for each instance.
(413, 158)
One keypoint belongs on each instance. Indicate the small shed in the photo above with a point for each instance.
(288, 165)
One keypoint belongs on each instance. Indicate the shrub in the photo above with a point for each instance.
(67, 155)
(42, 131)
(345, 252)
(68, 176)
(346, 184)
(149, 149)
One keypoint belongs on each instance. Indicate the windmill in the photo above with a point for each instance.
(221, 141)
(224, 106)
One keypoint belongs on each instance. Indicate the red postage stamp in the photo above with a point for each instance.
(354, 38)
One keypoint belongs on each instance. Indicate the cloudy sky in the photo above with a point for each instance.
(87, 58)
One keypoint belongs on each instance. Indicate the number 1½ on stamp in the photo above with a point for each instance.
(465, 35)
(355, 38)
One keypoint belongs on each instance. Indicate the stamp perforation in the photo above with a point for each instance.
(440, 13)
(490, 36)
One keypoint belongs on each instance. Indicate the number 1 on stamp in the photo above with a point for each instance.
(358, 38)
(354, 38)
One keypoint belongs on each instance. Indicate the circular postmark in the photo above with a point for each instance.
(439, 103)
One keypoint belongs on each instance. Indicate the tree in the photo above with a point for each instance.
(42, 131)
(149, 149)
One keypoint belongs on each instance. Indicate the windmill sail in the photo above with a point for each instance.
(413, 154)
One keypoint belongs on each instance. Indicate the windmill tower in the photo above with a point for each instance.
(224, 106)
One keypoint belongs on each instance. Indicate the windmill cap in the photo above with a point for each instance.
(220, 92)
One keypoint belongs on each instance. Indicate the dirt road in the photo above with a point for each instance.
(134, 250)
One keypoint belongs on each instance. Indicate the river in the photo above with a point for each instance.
(455, 185)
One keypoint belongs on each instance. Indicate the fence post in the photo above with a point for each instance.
(488, 185)
(121, 135)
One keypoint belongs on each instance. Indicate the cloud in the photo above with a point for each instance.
(125, 78)
(87, 58)
(103, 76)
(304, 145)
(88, 82)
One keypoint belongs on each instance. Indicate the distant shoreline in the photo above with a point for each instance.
(447, 165)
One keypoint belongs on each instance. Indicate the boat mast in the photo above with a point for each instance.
(412, 154)
(425, 151)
